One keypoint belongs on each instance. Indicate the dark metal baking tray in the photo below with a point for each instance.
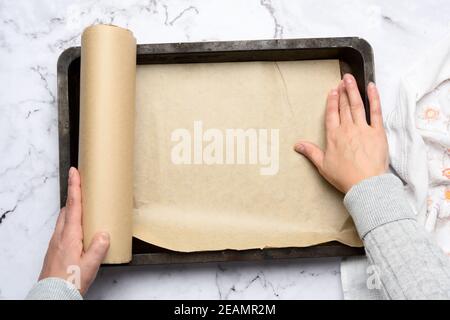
(355, 56)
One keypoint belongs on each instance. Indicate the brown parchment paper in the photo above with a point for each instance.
(210, 207)
(196, 207)
(107, 95)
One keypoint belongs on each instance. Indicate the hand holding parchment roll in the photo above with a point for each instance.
(107, 101)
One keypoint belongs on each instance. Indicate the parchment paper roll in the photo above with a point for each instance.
(107, 103)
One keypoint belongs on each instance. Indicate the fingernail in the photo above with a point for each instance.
(71, 172)
(104, 236)
(348, 79)
(333, 92)
(371, 85)
(300, 147)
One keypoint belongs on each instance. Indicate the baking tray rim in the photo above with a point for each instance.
(329, 249)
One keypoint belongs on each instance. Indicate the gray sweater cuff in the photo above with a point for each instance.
(377, 201)
(54, 289)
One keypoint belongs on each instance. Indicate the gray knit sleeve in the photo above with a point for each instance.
(54, 289)
(407, 262)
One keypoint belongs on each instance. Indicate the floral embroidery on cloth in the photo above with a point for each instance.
(433, 124)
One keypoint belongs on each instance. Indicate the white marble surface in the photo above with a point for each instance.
(34, 33)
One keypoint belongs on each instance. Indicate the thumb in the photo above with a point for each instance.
(311, 151)
(97, 250)
(93, 257)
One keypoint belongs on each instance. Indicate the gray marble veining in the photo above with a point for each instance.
(34, 33)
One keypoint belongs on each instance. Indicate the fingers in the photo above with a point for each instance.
(312, 152)
(95, 254)
(332, 113)
(376, 118)
(73, 214)
(60, 221)
(344, 105)
(355, 100)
